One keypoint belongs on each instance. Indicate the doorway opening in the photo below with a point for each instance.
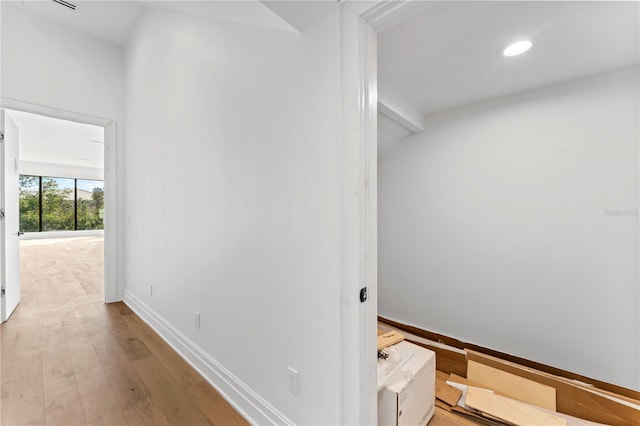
(60, 187)
(406, 133)
(484, 157)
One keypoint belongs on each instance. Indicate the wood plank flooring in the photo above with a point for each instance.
(66, 358)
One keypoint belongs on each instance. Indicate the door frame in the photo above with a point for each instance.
(110, 182)
(360, 22)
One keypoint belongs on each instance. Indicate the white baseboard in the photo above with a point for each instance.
(249, 404)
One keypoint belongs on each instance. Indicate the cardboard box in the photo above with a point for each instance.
(408, 397)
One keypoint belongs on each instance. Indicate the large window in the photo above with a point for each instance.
(60, 204)
(57, 204)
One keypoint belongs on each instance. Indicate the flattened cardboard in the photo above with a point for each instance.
(512, 386)
(509, 409)
(571, 399)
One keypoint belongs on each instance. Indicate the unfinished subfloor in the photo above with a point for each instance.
(69, 359)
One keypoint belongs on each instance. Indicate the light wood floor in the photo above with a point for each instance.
(69, 359)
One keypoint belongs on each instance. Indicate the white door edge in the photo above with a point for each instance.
(360, 22)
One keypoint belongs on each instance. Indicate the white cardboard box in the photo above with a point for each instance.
(409, 396)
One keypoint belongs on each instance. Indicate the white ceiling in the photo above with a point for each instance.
(114, 21)
(446, 56)
(443, 57)
(54, 141)
(251, 12)
(111, 21)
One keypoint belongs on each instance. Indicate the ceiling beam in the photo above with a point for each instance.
(398, 110)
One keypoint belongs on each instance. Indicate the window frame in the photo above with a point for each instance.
(75, 202)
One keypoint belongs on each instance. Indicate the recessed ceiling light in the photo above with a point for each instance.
(517, 48)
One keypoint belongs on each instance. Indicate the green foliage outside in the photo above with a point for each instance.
(29, 204)
(57, 206)
(90, 211)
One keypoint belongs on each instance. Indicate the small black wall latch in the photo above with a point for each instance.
(363, 294)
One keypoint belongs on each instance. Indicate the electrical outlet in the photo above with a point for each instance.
(197, 319)
(150, 290)
(294, 381)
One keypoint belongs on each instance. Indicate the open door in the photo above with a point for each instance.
(9, 217)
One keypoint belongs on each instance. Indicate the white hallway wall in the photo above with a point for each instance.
(232, 200)
(513, 224)
(46, 64)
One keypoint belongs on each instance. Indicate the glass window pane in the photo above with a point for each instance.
(29, 187)
(57, 204)
(90, 204)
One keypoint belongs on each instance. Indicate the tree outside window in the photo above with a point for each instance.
(29, 203)
(57, 204)
(90, 204)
